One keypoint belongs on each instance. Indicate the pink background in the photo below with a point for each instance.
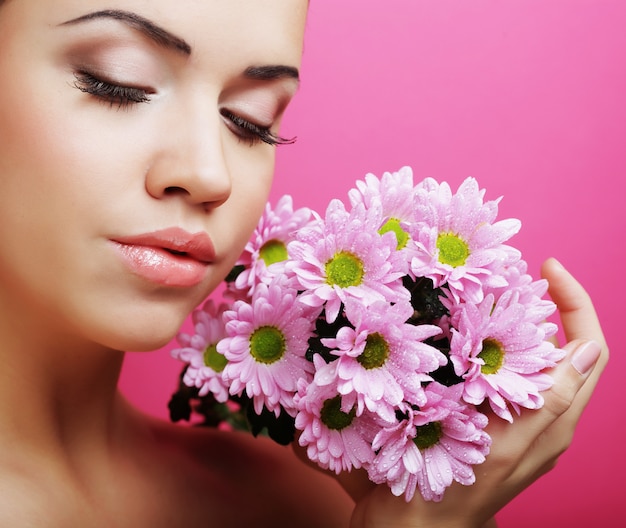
(527, 96)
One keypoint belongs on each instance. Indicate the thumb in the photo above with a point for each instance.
(356, 482)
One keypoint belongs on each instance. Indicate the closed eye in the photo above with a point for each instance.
(251, 132)
(109, 92)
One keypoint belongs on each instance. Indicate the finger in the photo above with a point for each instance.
(579, 320)
(570, 391)
(356, 482)
(563, 404)
(554, 425)
(578, 316)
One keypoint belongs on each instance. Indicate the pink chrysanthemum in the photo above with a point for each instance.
(345, 257)
(333, 435)
(530, 294)
(199, 350)
(455, 240)
(381, 360)
(394, 194)
(431, 447)
(266, 346)
(501, 352)
(375, 394)
(265, 254)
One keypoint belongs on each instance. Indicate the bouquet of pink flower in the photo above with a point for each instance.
(374, 333)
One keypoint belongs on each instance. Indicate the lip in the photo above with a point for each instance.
(172, 256)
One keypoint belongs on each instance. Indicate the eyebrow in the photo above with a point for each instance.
(155, 33)
(166, 39)
(271, 72)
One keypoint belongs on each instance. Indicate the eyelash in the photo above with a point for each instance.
(114, 94)
(252, 133)
(126, 96)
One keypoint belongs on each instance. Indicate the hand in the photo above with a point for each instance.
(521, 452)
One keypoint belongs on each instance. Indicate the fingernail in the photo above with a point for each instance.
(558, 264)
(586, 356)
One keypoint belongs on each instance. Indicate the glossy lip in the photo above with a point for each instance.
(172, 256)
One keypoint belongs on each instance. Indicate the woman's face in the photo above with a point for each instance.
(135, 155)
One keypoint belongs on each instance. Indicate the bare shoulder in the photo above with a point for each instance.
(161, 475)
(267, 480)
(29, 501)
(15, 499)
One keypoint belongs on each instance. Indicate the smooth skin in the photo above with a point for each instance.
(110, 128)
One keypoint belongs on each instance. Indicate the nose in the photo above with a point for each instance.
(189, 162)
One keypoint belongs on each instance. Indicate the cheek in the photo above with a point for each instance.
(253, 189)
(42, 142)
(29, 145)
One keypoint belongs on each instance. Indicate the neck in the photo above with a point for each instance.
(56, 395)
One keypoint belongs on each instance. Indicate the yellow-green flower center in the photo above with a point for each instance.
(333, 417)
(267, 344)
(493, 356)
(375, 353)
(344, 270)
(452, 250)
(273, 251)
(428, 435)
(213, 359)
(393, 224)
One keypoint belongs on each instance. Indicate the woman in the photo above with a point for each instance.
(136, 154)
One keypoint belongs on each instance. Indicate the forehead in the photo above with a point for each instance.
(261, 30)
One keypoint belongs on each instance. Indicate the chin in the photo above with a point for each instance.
(132, 342)
(142, 336)
(137, 324)
(145, 345)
